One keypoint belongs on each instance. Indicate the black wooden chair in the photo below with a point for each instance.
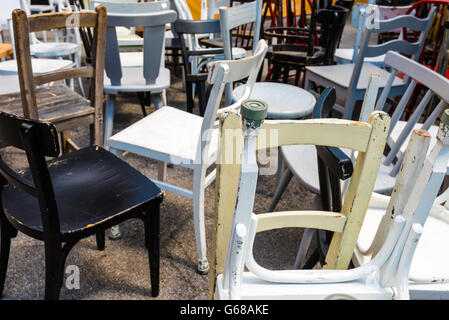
(69, 198)
(312, 45)
(184, 28)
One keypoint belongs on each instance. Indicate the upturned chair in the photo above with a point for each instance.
(350, 80)
(191, 140)
(147, 76)
(430, 263)
(57, 103)
(236, 232)
(69, 198)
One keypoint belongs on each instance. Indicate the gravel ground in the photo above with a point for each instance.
(121, 271)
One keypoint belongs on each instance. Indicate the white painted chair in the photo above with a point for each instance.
(236, 232)
(284, 101)
(428, 276)
(363, 14)
(40, 65)
(181, 138)
(350, 80)
(149, 75)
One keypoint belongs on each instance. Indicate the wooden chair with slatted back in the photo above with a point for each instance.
(56, 102)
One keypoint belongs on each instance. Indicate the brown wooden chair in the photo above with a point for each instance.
(57, 103)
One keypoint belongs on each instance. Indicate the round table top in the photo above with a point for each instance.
(284, 101)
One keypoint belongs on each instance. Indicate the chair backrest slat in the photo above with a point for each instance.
(152, 16)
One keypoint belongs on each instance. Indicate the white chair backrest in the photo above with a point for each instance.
(222, 73)
(213, 5)
(236, 16)
(153, 16)
(437, 87)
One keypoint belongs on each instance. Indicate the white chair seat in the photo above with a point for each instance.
(340, 74)
(9, 84)
(344, 55)
(147, 137)
(399, 127)
(284, 101)
(131, 59)
(39, 65)
(133, 81)
(306, 170)
(129, 40)
(253, 288)
(50, 49)
(431, 259)
(238, 53)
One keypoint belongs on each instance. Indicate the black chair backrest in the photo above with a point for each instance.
(184, 28)
(38, 139)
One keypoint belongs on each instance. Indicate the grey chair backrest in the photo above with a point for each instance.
(236, 16)
(437, 86)
(152, 16)
(413, 49)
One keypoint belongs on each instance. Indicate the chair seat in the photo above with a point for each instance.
(237, 53)
(9, 84)
(284, 101)
(133, 81)
(253, 288)
(50, 49)
(39, 65)
(91, 186)
(55, 104)
(431, 259)
(168, 134)
(129, 40)
(340, 74)
(302, 160)
(344, 55)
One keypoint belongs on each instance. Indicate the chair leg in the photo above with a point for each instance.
(199, 176)
(100, 236)
(141, 97)
(202, 97)
(109, 118)
(158, 103)
(5, 244)
(152, 243)
(283, 183)
(190, 103)
(53, 270)
(303, 247)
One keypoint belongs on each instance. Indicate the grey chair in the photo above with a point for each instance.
(150, 75)
(350, 80)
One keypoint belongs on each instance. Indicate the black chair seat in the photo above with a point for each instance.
(91, 186)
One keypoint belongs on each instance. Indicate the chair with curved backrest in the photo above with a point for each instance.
(55, 201)
(384, 277)
(236, 231)
(350, 80)
(170, 135)
(148, 75)
(57, 103)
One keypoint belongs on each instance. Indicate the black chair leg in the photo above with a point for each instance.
(141, 96)
(189, 94)
(53, 271)
(100, 236)
(5, 244)
(202, 97)
(152, 230)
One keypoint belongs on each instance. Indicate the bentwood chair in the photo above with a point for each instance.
(236, 231)
(384, 277)
(69, 198)
(170, 135)
(351, 79)
(57, 103)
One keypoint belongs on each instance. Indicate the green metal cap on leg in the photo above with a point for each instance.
(253, 112)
